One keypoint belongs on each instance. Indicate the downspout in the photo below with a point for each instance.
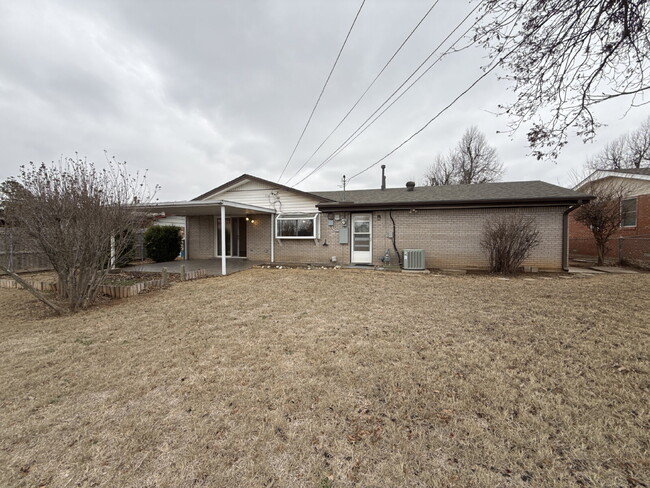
(399, 258)
(565, 235)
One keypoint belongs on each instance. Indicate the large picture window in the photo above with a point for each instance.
(297, 226)
(628, 213)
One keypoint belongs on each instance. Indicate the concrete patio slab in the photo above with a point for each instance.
(211, 266)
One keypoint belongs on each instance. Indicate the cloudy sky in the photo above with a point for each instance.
(198, 92)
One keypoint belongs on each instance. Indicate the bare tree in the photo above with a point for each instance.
(476, 161)
(627, 151)
(613, 155)
(602, 215)
(441, 172)
(639, 146)
(565, 58)
(508, 241)
(473, 160)
(82, 218)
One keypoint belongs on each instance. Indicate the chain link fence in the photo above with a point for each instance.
(631, 250)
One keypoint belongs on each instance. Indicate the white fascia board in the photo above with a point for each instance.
(601, 175)
(207, 204)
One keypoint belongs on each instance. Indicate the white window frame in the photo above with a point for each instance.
(636, 209)
(297, 216)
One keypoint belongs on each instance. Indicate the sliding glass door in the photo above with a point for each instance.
(235, 237)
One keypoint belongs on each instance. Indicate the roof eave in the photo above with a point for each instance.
(245, 176)
(601, 174)
(433, 204)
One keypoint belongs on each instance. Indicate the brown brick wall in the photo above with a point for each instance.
(258, 238)
(450, 238)
(581, 240)
(320, 251)
(200, 237)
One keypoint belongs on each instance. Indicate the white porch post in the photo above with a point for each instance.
(272, 238)
(223, 240)
(112, 252)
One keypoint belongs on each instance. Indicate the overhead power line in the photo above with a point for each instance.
(365, 91)
(498, 63)
(367, 123)
(323, 89)
(463, 93)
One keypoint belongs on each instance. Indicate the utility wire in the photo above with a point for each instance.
(356, 134)
(462, 94)
(323, 89)
(365, 92)
(359, 130)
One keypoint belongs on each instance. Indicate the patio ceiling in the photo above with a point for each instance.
(212, 207)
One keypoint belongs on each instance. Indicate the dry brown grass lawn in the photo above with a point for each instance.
(332, 378)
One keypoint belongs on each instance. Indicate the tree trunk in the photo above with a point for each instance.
(600, 247)
(33, 291)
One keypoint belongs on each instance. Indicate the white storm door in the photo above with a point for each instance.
(361, 239)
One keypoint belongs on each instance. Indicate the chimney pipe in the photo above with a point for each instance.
(383, 177)
(410, 185)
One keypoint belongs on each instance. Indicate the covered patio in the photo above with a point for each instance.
(221, 260)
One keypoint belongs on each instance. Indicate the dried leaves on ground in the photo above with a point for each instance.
(332, 378)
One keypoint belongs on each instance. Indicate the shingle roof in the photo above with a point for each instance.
(444, 195)
(632, 171)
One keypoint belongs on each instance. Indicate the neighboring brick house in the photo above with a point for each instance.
(632, 241)
(266, 221)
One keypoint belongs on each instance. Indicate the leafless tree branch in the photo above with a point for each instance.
(567, 57)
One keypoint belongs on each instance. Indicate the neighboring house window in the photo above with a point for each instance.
(628, 213)
(303, 226)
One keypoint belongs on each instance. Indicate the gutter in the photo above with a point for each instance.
(433, 205)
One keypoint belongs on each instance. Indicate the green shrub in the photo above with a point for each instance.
(163, 243)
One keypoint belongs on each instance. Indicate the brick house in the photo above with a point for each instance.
(632, 241)
(266, 221)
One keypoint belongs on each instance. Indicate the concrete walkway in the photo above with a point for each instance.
(614, 270)
(212, 266)
(584, 271)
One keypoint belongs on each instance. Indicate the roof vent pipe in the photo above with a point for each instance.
(410, 185)
(383, 177)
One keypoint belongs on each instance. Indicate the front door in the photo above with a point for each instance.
(361, 239)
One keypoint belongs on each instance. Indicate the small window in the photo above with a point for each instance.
(300, 226)
(628, 213)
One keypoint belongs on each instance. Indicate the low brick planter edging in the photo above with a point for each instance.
(115, 291)
(38, 285)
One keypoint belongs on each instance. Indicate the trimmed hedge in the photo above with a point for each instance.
(162, 242)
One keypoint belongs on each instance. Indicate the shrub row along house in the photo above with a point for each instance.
(253, 218)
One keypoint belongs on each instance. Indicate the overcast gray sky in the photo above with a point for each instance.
(199, 92)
